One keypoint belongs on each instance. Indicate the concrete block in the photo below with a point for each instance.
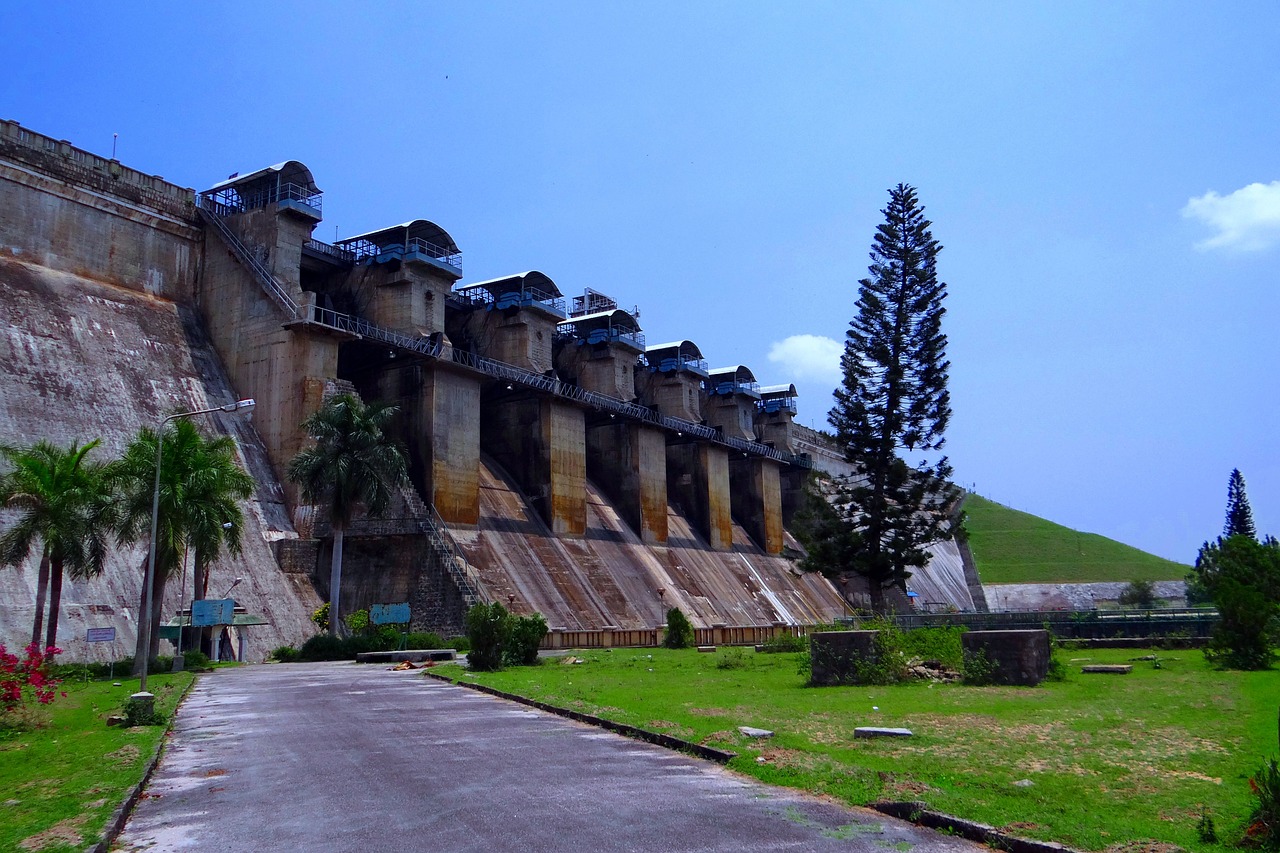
(1018, 657)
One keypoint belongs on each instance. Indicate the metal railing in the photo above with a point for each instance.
(448, 552)
(238, 199)
(265, 278)
(363, 249)
(328, 250)
(433, 347)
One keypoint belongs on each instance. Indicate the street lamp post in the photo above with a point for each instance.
(144, 623)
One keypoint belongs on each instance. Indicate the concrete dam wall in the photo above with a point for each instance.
(560, 463)
(81, 359)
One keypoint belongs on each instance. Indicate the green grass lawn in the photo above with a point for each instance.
(1016, 547)
(1111, 758)
(61, 781)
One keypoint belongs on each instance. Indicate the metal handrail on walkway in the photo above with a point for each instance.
(433, 347)
(265, 278)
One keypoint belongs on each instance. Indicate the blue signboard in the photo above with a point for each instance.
(212, 611)
(389, 614)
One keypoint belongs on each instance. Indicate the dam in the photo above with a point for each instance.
(560, 463)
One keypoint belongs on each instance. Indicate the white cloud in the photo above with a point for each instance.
(1247, 220)
(808, 357)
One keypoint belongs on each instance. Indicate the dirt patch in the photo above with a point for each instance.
(905, 790)
(63, 833)
(1144, 846)
(95, 804)
(125, 755)
(709, 712)
(217, 771)
(720, 737)
(668, 726)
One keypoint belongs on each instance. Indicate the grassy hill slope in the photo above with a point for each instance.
(1016, 547)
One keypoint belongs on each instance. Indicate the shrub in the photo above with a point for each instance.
(732, 659)
(424, 640)
(888, 665)
(1140, 594)
(1263, 828)
(138, 712)
(489, 629)
(325, 647)
(785, 643)
(934, 644)
(357, 621)
(286, 654)
(195, 659)
(26, 680)
(461, 645)
(1205, 830)
(679, 630)
(979, 670)
(525, 637)
(321, 617)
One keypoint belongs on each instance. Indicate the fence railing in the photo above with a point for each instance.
(1078, 625)
(724, 635)
(329, 250)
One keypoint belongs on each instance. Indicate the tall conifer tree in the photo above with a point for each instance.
(894, 403)
(1239, 514)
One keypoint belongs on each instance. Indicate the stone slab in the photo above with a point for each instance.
(880, 731)
(1114, 669)
(752, 731)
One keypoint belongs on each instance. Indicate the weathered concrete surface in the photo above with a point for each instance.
(835, 655)
(352, 757)
(68, 210)
(80, 359)
(1017, 657)
(608, 576)
(629, 462)
(698, 483)
(1070, 596)
(941, 584)
(284, 370)
(755, 496)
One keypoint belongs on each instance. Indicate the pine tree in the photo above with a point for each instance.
(894, 402)
(1239, 515)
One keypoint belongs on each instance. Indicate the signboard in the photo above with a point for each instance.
(389, 614)
(212, 611)
(100, 635)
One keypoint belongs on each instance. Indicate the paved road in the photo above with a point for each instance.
(348, 757)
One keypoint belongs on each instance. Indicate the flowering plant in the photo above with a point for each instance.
(26, 678)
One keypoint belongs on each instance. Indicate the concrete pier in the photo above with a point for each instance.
(629, 462)
(541, 442)
(698, 478)
(756, 500)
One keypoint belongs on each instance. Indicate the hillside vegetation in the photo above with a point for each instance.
(1016, 547)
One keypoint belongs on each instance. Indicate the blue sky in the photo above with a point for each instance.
(1103, 177)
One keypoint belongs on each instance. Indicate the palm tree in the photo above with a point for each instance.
(64, 501)
(354, 463)
(200, 488)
